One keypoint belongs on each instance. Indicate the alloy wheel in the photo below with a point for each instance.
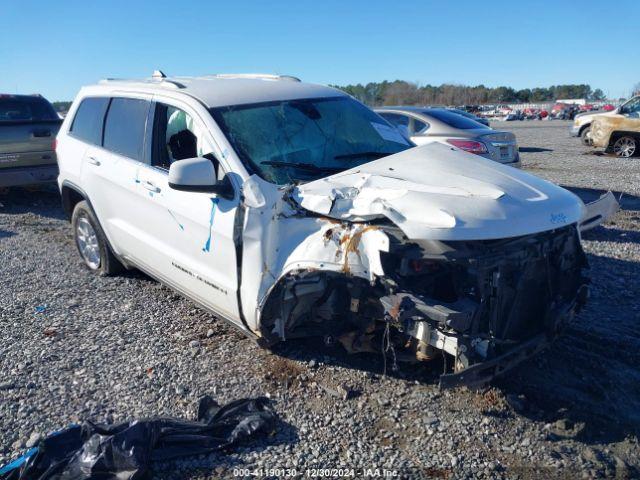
(624, 147)
(88, 244)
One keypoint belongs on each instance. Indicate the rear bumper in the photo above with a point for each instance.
(574, 131)
(516, 163)
(16, 176)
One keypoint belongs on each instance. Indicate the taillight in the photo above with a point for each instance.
(468, 145)
(54, 144)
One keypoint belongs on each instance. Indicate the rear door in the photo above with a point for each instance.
(109, 173)
(189, 235)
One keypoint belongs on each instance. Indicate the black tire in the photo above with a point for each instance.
(104, 261)
(584, 138)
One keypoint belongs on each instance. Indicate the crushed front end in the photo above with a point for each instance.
(486, 304)
(422, 254)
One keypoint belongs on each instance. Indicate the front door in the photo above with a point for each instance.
(192, 245)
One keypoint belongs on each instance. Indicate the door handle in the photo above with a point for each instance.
(93, 161)
(42, 133)
(151, 186)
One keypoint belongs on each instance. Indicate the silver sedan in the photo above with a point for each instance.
(426, 125)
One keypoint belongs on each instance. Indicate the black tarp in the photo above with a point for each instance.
(126, 450)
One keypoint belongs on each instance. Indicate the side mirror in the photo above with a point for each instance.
(198, 175)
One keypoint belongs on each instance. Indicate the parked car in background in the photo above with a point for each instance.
(474, 109)
(28, 128)
(557, 108)
(428, 125)
(582, 122)
(292, 210)
(608, 107)
(483, 121)
(619, 132)
(514, 115)
(503, 110)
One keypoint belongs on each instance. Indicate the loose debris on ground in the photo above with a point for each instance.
(127, 450)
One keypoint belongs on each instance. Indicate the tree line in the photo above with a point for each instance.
(400, 92)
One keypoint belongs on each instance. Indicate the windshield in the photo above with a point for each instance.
(297, 141)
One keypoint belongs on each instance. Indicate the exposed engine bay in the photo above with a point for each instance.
(484, 304)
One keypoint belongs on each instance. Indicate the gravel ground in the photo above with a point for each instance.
(74, 346)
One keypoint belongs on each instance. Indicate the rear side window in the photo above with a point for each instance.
(87, 124)
(17, 108)
(453, 119)
(125, 125)
(419, 126)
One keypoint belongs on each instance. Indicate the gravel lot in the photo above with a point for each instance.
(74, 346)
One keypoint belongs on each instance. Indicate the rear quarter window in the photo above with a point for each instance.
(125, 126)
(87, 124)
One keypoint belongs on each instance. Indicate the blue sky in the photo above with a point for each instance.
(55, 47)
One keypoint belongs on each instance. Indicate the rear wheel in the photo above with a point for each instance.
(585, 136)
(92, 243)
(625, 146)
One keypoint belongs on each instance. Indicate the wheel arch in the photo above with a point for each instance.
(616, 134)
(584, 127)
(72, 195)
(274, 301)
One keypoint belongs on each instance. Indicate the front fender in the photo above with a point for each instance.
(280, 238)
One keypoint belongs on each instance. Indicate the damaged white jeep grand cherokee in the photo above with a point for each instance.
(291, 209)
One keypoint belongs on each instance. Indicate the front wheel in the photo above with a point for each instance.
(625, 146)
(91, 241)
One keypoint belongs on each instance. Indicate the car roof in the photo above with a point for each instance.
(230, 89)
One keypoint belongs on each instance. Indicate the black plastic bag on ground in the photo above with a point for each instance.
(125, 451)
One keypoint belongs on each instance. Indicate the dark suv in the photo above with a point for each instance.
(28, 128)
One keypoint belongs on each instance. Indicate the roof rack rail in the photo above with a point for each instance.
(258, 76)
(154, 80)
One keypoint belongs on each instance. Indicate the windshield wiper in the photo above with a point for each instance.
(303, 166)
(361, 154)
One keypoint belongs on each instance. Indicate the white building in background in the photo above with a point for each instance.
(572, 101)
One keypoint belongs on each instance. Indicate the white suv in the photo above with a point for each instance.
(291, 209)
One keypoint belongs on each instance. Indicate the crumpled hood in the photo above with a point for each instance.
(439, 192)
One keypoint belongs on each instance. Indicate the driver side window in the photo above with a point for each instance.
(176, 136)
